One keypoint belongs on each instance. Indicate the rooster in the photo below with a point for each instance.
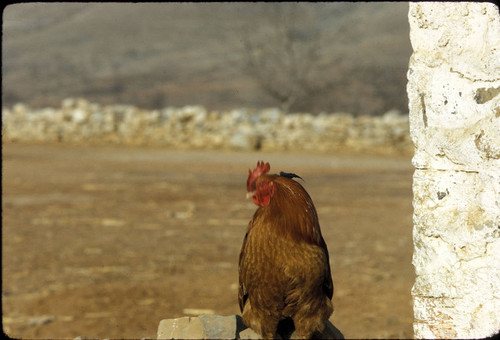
(284, 266)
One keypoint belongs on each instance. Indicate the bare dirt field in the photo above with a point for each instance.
(104, 242)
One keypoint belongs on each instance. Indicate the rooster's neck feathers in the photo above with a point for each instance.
(291, 212)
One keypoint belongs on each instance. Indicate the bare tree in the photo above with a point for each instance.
(284, 53)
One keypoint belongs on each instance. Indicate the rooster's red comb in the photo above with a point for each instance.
(261, 169)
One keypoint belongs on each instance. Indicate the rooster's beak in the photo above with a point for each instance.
(250, 194)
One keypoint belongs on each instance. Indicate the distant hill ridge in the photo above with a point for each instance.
(174, 54)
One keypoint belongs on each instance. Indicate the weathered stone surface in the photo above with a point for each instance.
(192, 127)
(221, 327)
(249, 334)
(454, 101)
(218, 327)
(182, 328)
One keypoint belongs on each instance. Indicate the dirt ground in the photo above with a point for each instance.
(104, 242)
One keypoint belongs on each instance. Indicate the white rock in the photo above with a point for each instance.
(245, 138)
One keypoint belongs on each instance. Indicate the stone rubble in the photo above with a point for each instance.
(194, 127)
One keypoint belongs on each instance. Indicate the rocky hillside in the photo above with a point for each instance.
(174, 54)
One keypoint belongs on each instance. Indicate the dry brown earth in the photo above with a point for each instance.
(107, 241)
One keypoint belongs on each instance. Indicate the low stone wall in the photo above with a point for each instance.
(193, 127)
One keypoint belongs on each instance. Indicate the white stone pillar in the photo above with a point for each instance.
(454, 102)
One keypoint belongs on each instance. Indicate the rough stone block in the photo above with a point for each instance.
(180, 328)
(219, 327)
(249, 334)
(222, 327)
